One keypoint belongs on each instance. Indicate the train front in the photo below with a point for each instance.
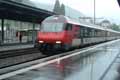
(52, 34)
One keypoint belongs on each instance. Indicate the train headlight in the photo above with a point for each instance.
(41, 41)
(58, 42)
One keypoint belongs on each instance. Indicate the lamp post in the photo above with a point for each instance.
(93, 59)
(94, 12)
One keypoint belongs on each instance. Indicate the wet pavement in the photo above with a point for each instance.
(114, 71)
(89, 67)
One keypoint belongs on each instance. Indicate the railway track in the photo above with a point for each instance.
(16, 57)
(20, 52)
(21, 68)
(17, 52)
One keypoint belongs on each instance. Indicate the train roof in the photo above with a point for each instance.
(66, 19)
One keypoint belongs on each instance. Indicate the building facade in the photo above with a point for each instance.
(17, 31)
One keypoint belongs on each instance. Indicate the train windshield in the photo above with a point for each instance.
(52, 27)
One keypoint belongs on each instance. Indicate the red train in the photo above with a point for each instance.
(61, 32)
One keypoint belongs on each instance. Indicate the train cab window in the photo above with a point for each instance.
(68, 27)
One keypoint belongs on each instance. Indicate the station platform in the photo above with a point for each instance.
(94, 66)
(113, 72)
(15, 47)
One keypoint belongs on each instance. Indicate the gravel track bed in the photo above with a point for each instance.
(19, 59)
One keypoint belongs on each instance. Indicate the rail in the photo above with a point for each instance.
(43, 62)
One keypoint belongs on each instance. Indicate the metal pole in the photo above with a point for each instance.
(94, 12)
(33, 36)
(92, 64)
(2, 30)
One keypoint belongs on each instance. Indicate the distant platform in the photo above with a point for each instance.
(15, 47)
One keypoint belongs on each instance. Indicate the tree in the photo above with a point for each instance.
(115, 27)
(62, 9)
(57, 7)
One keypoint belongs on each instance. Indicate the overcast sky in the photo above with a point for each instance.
(104, 8)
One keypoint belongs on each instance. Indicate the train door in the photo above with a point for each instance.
(81, 35)
(76, 35)
(68, 28)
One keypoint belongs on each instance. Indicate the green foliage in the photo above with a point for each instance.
(62, 11)
(57, 7)
(115, 27)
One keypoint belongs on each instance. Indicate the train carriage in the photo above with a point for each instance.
(61, 32)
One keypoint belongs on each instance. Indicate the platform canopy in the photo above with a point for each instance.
(18, 11)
